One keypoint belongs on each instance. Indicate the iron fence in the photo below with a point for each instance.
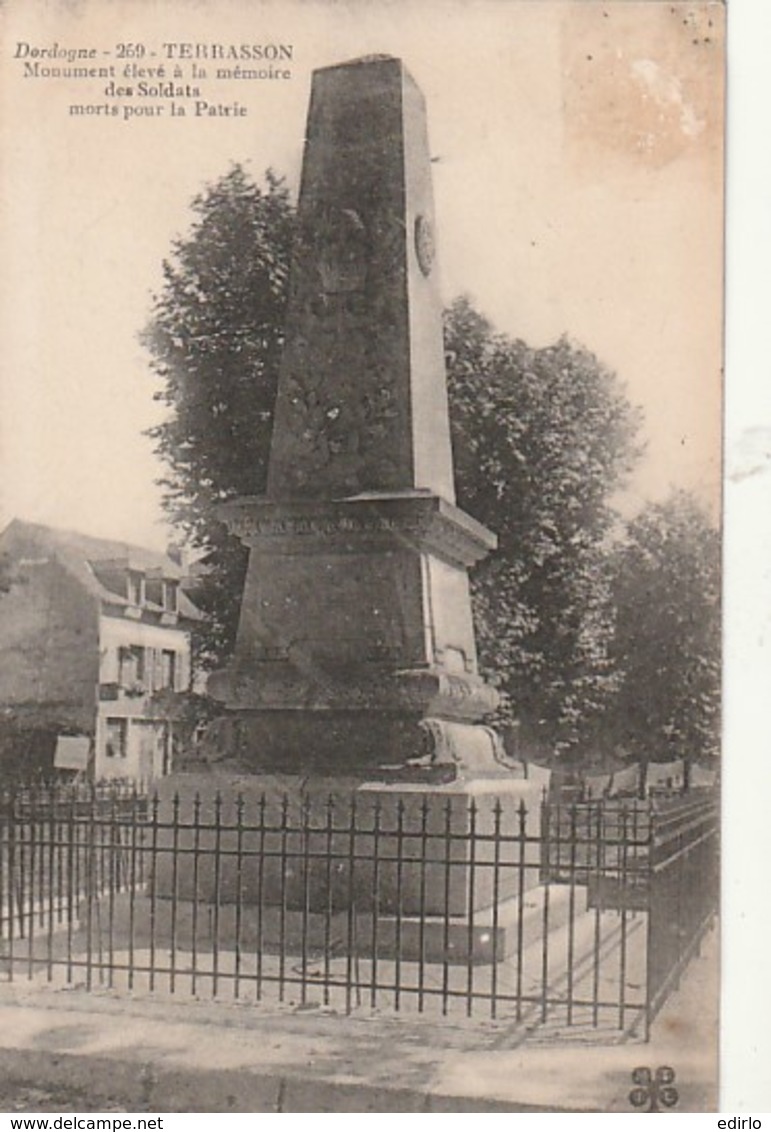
(684, 883)
(544, 916)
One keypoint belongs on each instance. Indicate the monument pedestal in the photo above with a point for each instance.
(411, 870)
(356, 645)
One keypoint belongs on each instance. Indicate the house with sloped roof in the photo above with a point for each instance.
(91, 632)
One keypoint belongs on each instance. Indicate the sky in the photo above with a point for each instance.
(578, 188)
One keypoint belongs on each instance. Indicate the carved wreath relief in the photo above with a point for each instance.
(425, 248)
(341, 379)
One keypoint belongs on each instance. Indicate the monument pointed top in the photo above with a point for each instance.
(362, 401)
(377, 57)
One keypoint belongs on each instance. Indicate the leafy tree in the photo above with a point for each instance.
(666, 590)
(215, 340)
(541, 437)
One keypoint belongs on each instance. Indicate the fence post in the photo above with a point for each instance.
(446, 904)
(572, 910)
(90, 882)
(174, 892)
(521, 866)
(239, 891)
(13, 812)
(424, 810)
(650, 888)
(376, 885)
(217, 894)
(497, 814)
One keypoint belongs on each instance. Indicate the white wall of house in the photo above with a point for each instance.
(137, 659)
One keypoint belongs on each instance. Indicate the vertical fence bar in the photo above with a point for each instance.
(625, 895)
(260, 944)
(652, 902)
(52, 885)
(681, 904)
(133, 881)
(142, 808)
(330, 896)
(112, 866)
(351, 932)
(90, 879)
(12, 832)
(471, 895)
(446, 905)
(32, 827)
(423, 854)
(38, 850)
(399, 899)
(497, 814)
(375, 900)
(522, 841)
(173, 911)
(239, 892)
(572, 909)
(600, 879)
(76, 829)
(46, 871)
(70, 878)
(217, 894)
(61, 883)
(153, 871)
(284, 833)
(23, 898)
(305, 826)
(99, 884)
(195, 893)
(550, 857)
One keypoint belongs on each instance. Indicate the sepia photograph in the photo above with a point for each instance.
(360, 556)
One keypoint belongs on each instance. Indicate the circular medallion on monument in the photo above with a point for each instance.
(424, 243)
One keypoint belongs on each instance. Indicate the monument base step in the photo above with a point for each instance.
(484, 938)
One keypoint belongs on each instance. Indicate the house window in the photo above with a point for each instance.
(168, 668)
(132, 665)
(154, 591)
(170, 596)
(135, 591)
(116, 733)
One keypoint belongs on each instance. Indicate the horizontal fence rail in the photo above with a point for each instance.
(552, 917)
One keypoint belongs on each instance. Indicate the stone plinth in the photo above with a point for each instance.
(400, 859)
(356, 626)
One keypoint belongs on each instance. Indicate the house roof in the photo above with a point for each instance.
(82, 555)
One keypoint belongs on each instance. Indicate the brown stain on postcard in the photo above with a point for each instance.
(641, 83)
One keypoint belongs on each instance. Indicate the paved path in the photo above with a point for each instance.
(68, 1050)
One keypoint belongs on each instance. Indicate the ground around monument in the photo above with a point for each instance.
(73, 1051)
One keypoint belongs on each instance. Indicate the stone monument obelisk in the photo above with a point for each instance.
(355, 671)
(355, 652)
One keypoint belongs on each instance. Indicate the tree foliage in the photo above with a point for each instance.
(215, 340)
(666, 591)
(542, 438)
